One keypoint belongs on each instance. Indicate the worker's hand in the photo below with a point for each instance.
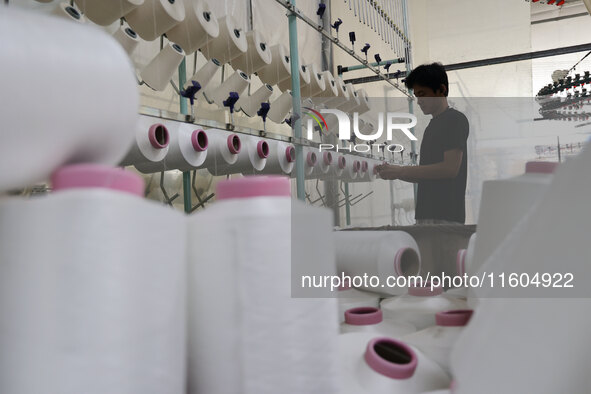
(389, 171)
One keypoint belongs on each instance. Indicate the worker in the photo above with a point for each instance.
(441, 173)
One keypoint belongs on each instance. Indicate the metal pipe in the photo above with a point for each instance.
(355, 202)
(359, 80)
(390, 182)
(559, 18)
(392, 206)
(320, 194)
(390, 23)
(363, 66)
(386, 15)
(365, 13)
(353, 199)
(407, 55)
(347, 205)
(519, 57)
(194, 187)
(381, 20)
(184, 110)
(491, 61)
(347, 201)
(167, 198)
(327, 55)
(249, 15)
(331, 187)
(400, 26)
(296, 99)
(373, 16)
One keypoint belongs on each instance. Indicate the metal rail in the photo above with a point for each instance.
(344, 69)
(176, 117)
(490, 61)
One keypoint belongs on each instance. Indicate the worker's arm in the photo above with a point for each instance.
(446, 169)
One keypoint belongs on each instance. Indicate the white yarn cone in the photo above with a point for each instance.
(304, 79)
(437, 342)
(336, 167)
(251, 104)
(279, 69)
(252, 157)
(310, 161)
(155, 17)
(367, 171)
(342, 96)
(151, 143)
(281, 158)
(372, 173)
(373, 364)
(364, 105)
(257, 337)
(316, 85)
(377, 253)
(90, 303)
(325, 160)
(281, 107)
(370, 320)
(66, 11)
(223, 148)
(39, 136)
(528, 323)
(330, 90)
(502, 206)
(229, 44)
(158, 73)
(351, 170)
(353, 101)
(527, 329)
(237, 82)
(257, 56)
(349, 297)
(419, 306)
(362, 175)
(105, 12)
(128, 39)
(187, 150)
(198, 28)
(463, 262)
(204, 75)
(468, 257)
(367, 127)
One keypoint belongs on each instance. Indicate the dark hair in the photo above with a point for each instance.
(428, 75)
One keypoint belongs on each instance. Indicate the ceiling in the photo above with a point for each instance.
(542, 5)
(542, 11)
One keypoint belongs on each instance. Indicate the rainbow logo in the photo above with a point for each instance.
(317, 117)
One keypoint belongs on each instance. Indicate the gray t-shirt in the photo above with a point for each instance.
(444, 199)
